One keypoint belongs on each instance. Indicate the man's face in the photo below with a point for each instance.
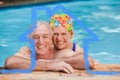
(43, 39)
(61, 37)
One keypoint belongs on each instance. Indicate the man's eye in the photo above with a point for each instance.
(35, 37)
(45, 36)
(64, 34)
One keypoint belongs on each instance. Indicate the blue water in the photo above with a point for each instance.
(103, 18)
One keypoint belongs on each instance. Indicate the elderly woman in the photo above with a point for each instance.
(61, 25)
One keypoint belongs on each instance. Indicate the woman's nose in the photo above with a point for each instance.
(59, 37)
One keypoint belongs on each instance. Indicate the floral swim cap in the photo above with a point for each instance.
(62, 19)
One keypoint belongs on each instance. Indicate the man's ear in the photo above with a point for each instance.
(52, 45)
(52, 38)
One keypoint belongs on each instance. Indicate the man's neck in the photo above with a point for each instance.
(48, 55)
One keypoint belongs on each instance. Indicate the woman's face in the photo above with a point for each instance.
(61, 37)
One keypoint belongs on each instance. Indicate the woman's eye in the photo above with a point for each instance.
(55, 34)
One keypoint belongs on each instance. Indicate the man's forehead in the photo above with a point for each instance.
(42, 27)
(41, 30)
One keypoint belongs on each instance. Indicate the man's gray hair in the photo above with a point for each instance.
(46, 24)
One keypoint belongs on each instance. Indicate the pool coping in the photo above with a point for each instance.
(23, 3)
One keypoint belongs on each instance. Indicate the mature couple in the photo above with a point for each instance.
(53, 47)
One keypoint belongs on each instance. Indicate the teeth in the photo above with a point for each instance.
(59, 43)
(41, 46)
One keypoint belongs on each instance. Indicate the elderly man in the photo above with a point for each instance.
(45, 59)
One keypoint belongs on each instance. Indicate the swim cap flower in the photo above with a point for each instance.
(62, 19)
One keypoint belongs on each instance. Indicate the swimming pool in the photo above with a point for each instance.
(103, 18)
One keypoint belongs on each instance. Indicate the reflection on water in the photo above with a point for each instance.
(103, 18)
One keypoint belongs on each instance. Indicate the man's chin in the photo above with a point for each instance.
(41, 52)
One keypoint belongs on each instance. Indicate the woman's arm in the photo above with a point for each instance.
(75, 60)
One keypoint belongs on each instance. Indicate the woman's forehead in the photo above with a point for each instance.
(59, 29)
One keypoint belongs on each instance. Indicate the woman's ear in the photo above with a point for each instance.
(71, 34)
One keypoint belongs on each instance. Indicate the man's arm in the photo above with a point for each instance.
(16, 62)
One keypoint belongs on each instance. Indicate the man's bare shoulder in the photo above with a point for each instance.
(23, 52)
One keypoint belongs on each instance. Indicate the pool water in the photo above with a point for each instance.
(103, 18)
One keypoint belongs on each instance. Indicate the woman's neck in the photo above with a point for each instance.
(70, 46)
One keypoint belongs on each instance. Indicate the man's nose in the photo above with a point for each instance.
(40, 40)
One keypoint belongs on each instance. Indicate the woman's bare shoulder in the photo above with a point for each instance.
(78, 49)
